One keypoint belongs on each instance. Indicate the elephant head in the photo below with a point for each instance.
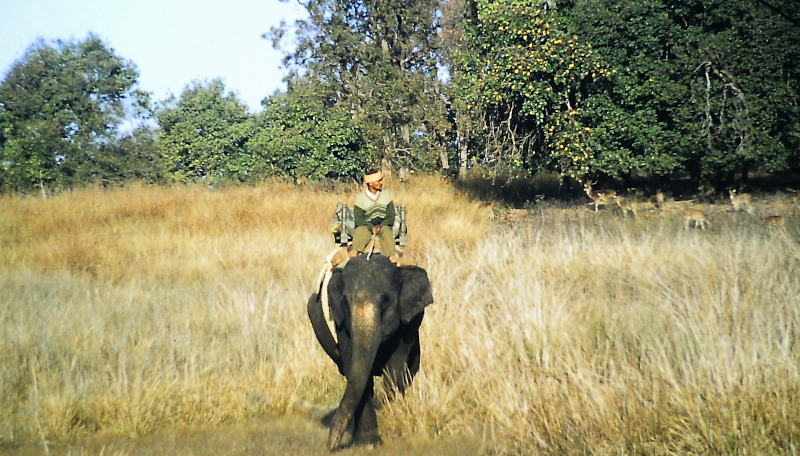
(377, 308)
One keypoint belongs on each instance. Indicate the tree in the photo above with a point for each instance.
(647, 92)
(377, 60)
(59, 106)
(599, 87)
(528, 82)
(133, 157)
(302, 134)
(746, 87)
(452, 44)
(710, 87)
(203, 135)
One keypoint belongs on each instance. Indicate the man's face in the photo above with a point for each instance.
(375, 186)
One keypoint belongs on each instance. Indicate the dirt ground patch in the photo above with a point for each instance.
(286, 435)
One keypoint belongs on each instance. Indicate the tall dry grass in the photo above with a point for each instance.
(560, 332)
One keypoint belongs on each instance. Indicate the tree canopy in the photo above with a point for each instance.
(60, 106)
(203, 134)
(590, 89)
(302, 134)
(378, 61)
(706, 87)
(530, 83)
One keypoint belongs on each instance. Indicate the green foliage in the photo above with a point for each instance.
(530, 80)
(709, 87)
(134, 157)
(203, 135)
(588, 88)
(746, 86)
(299, 135)
(605, 87)
(60, 105)
(640, 118)
(377, 60)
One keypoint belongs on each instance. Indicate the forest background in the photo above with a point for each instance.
(140, 309)
(589, 89)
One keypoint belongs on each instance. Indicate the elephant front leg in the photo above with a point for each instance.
(356, 404)
(365, 426)
(366, 420)
(340, 422)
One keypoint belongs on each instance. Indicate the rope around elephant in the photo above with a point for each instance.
(336, 258)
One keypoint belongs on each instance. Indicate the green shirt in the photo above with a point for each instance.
(371, 213)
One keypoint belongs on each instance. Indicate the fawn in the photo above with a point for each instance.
(627, 205)
(661, 198)
(699, 218)
(774, 221)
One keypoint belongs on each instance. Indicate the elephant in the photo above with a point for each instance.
(377, 308)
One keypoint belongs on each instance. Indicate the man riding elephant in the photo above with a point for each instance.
(374, 217)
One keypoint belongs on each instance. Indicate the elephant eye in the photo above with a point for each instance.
(388, 300)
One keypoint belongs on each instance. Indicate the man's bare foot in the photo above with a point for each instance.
(339, 256)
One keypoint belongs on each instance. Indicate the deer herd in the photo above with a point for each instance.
(692, 216)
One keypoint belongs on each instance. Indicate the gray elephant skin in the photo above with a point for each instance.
(377, 308)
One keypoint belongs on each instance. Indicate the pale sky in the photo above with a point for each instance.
(171, 42)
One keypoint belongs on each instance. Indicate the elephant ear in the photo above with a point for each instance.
(415, 292)
(336, 297)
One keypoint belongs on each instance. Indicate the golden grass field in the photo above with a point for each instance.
(556, 330)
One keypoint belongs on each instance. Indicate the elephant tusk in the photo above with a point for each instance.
(326, 308)
(333, 260)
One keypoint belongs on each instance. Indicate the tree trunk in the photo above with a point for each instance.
(462, 138)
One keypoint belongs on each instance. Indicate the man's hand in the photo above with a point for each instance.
(376, 230)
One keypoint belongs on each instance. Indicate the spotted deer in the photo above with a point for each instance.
(627, 205)
(488, 210)
(661, 198)
(696, 216)
(740, 201)
(774, 221)
(598, 196)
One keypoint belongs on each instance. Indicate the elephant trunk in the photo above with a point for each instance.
(366, 340)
